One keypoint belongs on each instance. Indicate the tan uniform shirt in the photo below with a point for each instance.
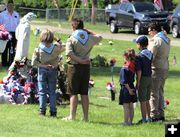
(42, 58)
(160, 50)
(82, 51)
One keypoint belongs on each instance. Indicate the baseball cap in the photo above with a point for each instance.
(142, 40)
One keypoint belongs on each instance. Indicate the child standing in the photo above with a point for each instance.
(127, 93)
(143, 66)
(46, 59)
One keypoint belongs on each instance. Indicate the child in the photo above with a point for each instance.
(143, 66)
(127, 93)
(46, 59)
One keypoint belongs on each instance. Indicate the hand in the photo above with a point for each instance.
(50, 66)
(131, 91)
(85, 61)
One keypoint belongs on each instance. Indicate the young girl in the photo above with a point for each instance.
(127, 93)
(46, 59)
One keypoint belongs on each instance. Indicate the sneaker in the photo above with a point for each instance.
(154, 119)
(53, 114)
(141, 121)
(161, 119)
(149, 120)
(42, 113)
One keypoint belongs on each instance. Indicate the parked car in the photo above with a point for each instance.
(175, 22)
(136, 16)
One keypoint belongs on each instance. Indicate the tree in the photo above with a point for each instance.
(93, 12)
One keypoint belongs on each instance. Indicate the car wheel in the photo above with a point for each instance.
(175, 33)
(113, 27)
(137, 28)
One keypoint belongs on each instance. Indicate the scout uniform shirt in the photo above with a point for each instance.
(80, 44)
(46, 56)
(160, 46)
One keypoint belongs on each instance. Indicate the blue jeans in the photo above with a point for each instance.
(47, 85)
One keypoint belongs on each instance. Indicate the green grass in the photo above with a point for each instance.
(105, 116)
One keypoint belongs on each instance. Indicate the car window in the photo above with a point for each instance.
(177, 11)
(123, 7)
(143, 7)
(130, 8)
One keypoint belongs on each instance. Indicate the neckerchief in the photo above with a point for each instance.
(81, 35)
(163, 36)
(130, 65)
(46, 49)
(146, 53)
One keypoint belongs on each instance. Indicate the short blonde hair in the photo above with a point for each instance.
(47, 36)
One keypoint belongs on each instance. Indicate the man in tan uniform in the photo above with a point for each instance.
(78, 48)
(159, 45)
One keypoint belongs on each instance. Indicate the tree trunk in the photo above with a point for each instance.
(93, 12)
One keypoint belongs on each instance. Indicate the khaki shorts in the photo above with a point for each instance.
(78, 79)
(144, 89)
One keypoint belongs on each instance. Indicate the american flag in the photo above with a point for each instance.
(2, 28)
(159, 4)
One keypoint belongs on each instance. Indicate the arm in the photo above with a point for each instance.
(35, 58)
(139, 73)
(36, 62)
(79, 60)
(129, 89)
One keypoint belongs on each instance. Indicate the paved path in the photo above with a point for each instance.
(107, 35)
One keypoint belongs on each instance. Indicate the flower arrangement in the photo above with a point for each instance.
(112, 62)
(4, 34)
(110, 86)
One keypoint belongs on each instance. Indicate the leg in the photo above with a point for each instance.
(126, 113)
(42, 87)
(51, 90)
(85, 106)
(148, 109)
(143, 110)
(73, 106)
(154, 99)
(161, 100)
(4, 56)
(42, 96)
(131, 108)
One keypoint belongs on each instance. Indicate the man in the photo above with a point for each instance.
(78, 48)
(160, 47)
(10, 19)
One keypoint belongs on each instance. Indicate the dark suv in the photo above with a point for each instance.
(175, 23)
(135, 15)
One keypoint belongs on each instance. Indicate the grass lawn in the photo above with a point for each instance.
(105, 116)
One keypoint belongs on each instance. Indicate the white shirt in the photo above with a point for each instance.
(10, 22)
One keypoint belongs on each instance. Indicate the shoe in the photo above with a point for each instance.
(149, 120)
(42, 113)
(161, 119)
(154, 119)
(142, 121)
(53, 114)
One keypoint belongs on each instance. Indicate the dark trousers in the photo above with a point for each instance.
(9, 52)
